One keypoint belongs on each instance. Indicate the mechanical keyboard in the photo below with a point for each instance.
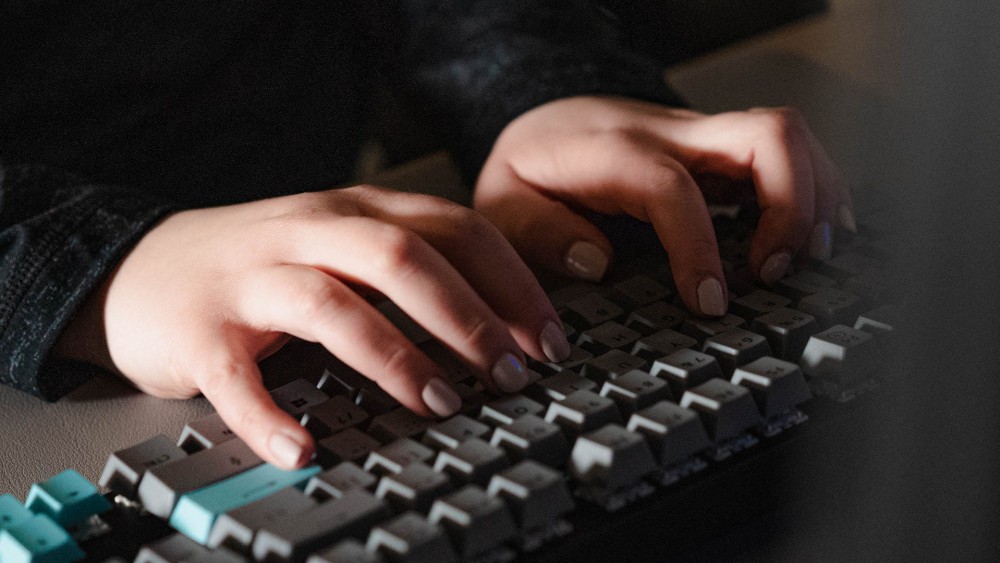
(644, 427)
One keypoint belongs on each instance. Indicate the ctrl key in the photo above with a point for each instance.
(37, 539)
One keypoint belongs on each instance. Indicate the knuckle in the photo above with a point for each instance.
(396, 250)
(314, 300)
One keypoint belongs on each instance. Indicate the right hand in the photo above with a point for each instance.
(208, 293)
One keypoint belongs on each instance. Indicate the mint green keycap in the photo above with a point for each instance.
(12, 512)
(197, 511)
(68, 498)
(37, 539)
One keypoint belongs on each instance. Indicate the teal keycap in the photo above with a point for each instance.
(197, 511)
(68, 498)
(38, 539)
(12, 512)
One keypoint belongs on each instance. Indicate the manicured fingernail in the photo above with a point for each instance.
(286, 450)
(587, 261)
(821, 242)
(553, 342)
(846, 219)
(441, 398)
(775, 267)
(711, 300)
(510, 374)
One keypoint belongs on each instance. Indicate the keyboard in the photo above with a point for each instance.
(649, 430)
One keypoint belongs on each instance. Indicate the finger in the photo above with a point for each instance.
(313, 306)
(404, 267)
(231, 381)
(485, 259)
(834, 203)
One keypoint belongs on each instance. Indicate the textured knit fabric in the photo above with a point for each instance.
(113, 114)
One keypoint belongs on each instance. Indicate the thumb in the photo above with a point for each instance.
(544, 231)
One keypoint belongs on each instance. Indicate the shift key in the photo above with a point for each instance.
(162, 486)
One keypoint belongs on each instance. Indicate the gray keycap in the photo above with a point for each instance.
(757, 303)
(577, 357)
(348, 445)
(343, 380)
(205, 432)
(881, 319)
(610, 458)
(611, 365)
(562, 296)
(125, 468)
(581, 412)
(413, 488)
(776, 385)
(410, 538)
(655, 317)
(531, 437)
(839, 353)
(801, 284)
(591, 310)
(638, 291)
(509, 408)
(535, 494)
(787, 331)
(674, 433)
(328, 418)
(736, 347)
(375, 401)
(831, 306)
(726, 410)
(293, 538)
(476, 522)
(686, 368)
(473, 462)
(346, 551)
(174, 548)
(559, 386)
(399, 423)
(164, 484)
(236, 528)
(701, 328)
(396, 455)
(635, 390)
(338, 480)
(453, 432)
(847, 264)
(297, 396)
(606, 336)
(661, 343)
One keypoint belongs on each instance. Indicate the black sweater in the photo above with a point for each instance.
(114, 113)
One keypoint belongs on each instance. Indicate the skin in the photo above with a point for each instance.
(207, 293)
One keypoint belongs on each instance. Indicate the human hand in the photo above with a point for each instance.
(208, 293)
(658, 164)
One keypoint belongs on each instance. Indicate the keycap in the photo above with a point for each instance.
(399, 423)
(37, 538)
(559, 386)
(577, 357)
(345, 551)
(726, 410)
(702, 328)
(674, 433)
(831, 306)
(396, 455)
(610, 458)
(343, 380)
(206, 432)
(591, 310)
(881, 319)
(535, 494)
(847, 264)
(531, 437)
(635, 390)
(655, 317)
(638, 291)
(12, 512)
(410, 538)
(606, 336)
(838, 353)
(476, 522)
(164, 484)
(68, 498)
(473, 462)
(661, 343)
(757, 303)
(801, 284)
(686, 368)
(236, 528)
(611, 365)
(581, 412)
(374, 401)
(338, 480)
(171, 549)
(736, 347)
(775, 385)
(787, 331)
(413, 488)
(332, 416)
(475, 395)
(453, 432)
(348, 445)
(297, 396)
(295, 537)
(197, 511)
(560, 297)
(509, 408)
(125, 468)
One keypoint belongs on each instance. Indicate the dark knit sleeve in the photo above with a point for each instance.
(59, 238)
(472, 66)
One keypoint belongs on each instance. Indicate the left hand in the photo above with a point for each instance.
(615, 155)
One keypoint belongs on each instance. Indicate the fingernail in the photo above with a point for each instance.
(287, 451)
(554, 343)
(821, 242)
(711, 300)
(846, 219)
(775, 267)
(509, 373)
(440, 397)
(587, 261)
